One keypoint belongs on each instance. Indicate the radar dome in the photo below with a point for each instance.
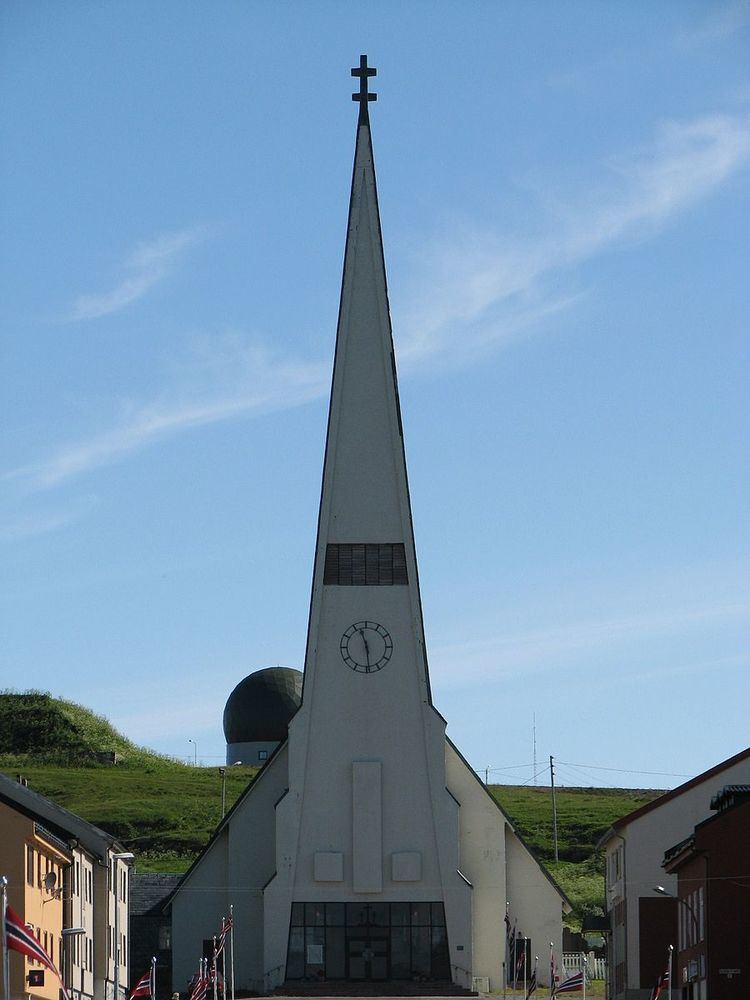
(260, 707)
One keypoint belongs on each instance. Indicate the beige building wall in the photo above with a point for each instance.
(79, 948)
(27, 855)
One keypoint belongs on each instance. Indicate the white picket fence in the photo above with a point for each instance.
(596, 967)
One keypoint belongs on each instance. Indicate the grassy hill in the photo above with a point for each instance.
(38, 727)
(165, 811)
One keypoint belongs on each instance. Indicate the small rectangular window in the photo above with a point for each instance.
(263, 755)
(30, 865)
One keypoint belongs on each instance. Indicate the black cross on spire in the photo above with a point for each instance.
(363, 71)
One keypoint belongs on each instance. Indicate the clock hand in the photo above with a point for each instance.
(367, 648)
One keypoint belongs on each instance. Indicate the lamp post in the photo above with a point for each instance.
(123, 856)
(223, 774)
(670, 895)
(195, 752)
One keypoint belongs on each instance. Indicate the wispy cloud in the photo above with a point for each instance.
(146, 266)
(724, 20)
(43, 522)
(477, 291)
(464, 664)
(242, 380)
(474, 293)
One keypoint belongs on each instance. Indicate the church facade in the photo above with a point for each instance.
(366, 849)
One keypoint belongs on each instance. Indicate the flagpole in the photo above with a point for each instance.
(583, 969)
(231, 942)
(669, 966)
(224, 969)
(551, 969)
(504, 975)
(153, 977)
(6, 963)
(524, 967)
(215, 973)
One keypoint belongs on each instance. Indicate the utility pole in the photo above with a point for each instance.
(533, 738)
(487, 775)
(554, 804)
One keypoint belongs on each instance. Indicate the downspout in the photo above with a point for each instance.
(625, 895)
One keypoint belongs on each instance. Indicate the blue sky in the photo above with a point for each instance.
(564, 197)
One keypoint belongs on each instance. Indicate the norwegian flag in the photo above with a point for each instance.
(552, 969)
(226, 926)
(532, 984)
(520, 958)
(662, 983)
(19, 938)
(571, 985)
(144, 986)
(510, 948)
(199, 984)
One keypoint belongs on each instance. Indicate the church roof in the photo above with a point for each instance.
(260, 707)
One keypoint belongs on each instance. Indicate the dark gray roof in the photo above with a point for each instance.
(730, 795)
(260, 707)
(149, 890)
(61, 822)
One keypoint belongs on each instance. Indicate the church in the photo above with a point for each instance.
(366, 850)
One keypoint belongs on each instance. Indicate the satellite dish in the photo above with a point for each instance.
(50, 881)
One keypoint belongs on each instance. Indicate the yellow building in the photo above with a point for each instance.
(34, 861)
(69, 881)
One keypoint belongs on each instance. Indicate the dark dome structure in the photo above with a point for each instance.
(260, 707)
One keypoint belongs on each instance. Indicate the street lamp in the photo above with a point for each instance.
(123, 856)
(223, 773)
(195, 751)
(670, 895)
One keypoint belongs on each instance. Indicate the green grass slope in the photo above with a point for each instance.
(35, 726)
(165, 815)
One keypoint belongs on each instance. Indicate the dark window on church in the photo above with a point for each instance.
(368, 941)
(365, 565)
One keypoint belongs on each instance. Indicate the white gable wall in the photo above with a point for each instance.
(534, 902)
(500, 869)
(232, 871)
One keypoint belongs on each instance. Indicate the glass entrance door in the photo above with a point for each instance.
(367, 957)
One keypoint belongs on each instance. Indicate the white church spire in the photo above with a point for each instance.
(365, 536)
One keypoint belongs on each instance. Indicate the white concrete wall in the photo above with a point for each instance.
(534, 902)
(232, 872)
(501, 869)
(483, 862)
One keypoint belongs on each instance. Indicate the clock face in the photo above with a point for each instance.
(366, 647)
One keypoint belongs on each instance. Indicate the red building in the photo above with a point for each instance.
(712, 865)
